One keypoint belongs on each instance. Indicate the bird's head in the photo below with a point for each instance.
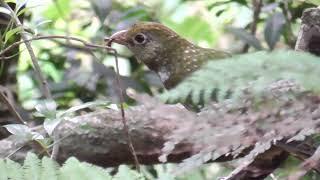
(148, 40)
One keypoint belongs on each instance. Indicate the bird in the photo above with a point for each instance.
(163, 51)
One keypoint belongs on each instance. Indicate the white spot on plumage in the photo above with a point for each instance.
(164, 74)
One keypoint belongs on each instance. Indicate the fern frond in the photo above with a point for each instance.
(14, 170)
(73, 169)
(47, 169)
(230, 77)
(95, 171)
(3, 170)
(31, 167)
(50, 169)
(124, 173)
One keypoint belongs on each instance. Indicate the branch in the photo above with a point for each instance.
(88, 46)
(98, 137)
(83, 48)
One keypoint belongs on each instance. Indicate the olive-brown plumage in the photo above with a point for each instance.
(164, 51)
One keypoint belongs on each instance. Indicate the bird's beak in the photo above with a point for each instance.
(118, 37)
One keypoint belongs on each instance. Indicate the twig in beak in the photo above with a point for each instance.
(120, 92)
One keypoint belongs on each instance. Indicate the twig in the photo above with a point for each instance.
(86, 44)
(123, 117)
(43, 82)
(9, 57)
(55, 148)
(12, 109)
(84, 48)
(257, 5)
(15, 151)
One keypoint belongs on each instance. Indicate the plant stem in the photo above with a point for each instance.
(43, 82)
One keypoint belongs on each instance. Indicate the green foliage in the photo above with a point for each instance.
(34, 168)
(273, 29)
(60, 9)
(31, 167)
(246, 37)
(126, 173)
(14, 170)
(229, 78)
(195, 28)
(47, 169)
(73, 169)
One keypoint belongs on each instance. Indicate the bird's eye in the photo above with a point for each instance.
(140, 38)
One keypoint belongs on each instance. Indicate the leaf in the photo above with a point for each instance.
(3, 170)
(101, 8)
(49, 170)
(5, 11)
(43, 22)
(10, 1)
(315, 2)
(125, 173)
(31, 167)
(14, 170)
(273, 29)
(73, 169)
(36, 136)
(50, 124)
(18, 129)
(20, 4)
(246, 37)
(12, 32)
(46, 108)
(23, 131)
(23, 11)
(83, 106)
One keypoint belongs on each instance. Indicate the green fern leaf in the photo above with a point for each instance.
(125, 173)
(49, 169)
(14, 170)
(3, 170)
(31, 167)
(73, 170)
(230, 77)
(94, 171)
